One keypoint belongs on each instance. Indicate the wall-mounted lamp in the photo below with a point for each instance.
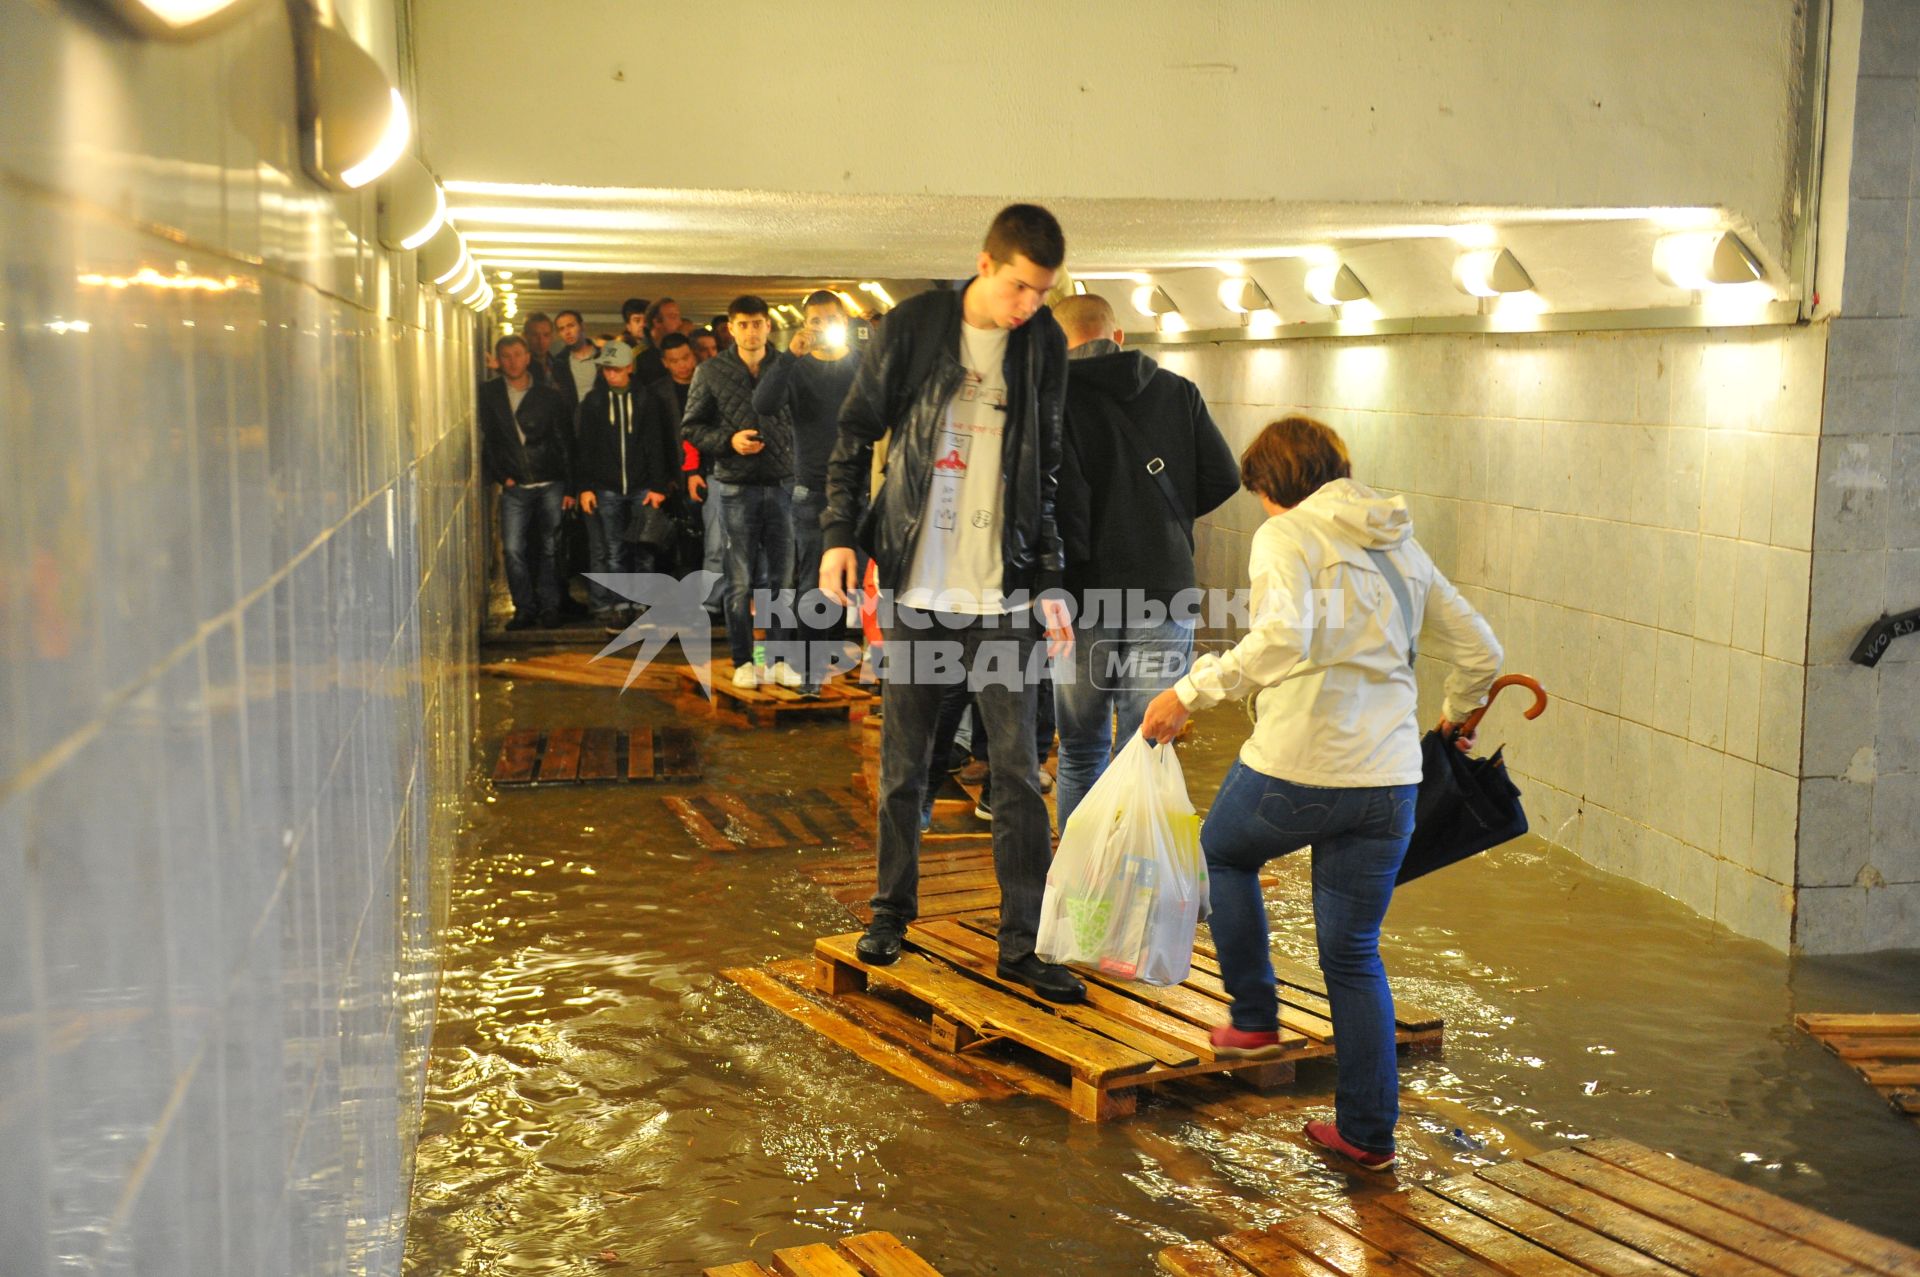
(1242, 295)
(354, 125)
(441, 254)
(174, 19)
(1335, 285)
(1489, 272)
(461, 281)
(1079, 288)
(1710, 259)
(1151, 300)
(1173, 322)
(413, 208)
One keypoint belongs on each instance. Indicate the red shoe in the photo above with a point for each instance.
(1230, 1043)
(1328, 1136)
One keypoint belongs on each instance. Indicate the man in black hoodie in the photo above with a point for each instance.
(1141, 460)
(969, 384)
(626, 455)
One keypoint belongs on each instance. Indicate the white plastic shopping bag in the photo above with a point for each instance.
(1128, 884)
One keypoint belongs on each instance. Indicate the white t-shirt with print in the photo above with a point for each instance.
(957, 562)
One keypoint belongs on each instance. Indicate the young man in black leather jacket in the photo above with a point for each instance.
(968, 386)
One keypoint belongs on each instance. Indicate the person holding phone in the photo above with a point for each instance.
(752, 474)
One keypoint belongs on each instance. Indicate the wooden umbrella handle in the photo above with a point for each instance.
(1505, 681)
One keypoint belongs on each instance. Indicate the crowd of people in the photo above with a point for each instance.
(1024, 489)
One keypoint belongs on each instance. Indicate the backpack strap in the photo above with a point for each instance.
(1155, 466)
(1398, 584)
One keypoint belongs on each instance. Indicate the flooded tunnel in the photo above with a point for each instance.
(459, 817)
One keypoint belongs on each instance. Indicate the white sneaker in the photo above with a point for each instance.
(746, 675)
(785, 675)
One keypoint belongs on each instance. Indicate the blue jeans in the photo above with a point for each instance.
(1359, 837)
(759, 519)
(1117, 669)
(713, 522)
(820, 623)
(530, 534)
(612, 511)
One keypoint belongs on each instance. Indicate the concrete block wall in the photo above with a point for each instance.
(1859, 852)
(237, 563)
(1634, 513)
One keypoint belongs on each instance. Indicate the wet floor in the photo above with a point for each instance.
(600, 1100)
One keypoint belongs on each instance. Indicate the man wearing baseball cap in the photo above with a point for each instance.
(626, 456)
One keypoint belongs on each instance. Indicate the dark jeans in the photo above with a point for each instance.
(1117, 670)
(822, 637)
(530, 534)
(612, 512)
(759, 519)
(953, 707)
(1359, 837)
(1022, 842)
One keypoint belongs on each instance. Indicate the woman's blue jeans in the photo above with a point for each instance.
(1359, 837)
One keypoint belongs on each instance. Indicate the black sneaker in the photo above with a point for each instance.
(1048, 979)
(520, 621)
(881, 945)
(983, 805)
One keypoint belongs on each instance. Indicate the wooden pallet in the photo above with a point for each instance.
(743, 820)
(867, 1255)
(1124, 1038)
(771, 705)
(1882, 1049)
(578, 755)
(582, 669)
(1604, 1206)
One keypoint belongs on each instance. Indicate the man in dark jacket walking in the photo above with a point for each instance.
(751, 471)
(969, 384)
(1141, 461)
(526, 433)
(813, 384)
(627, 457)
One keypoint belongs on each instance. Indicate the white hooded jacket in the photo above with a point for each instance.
(1327, 651)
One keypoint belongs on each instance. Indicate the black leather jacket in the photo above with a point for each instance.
(545, 417)
(904, 386)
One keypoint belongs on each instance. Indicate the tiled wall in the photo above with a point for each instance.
(1634, 514)
(236, 617)
(1860, 799)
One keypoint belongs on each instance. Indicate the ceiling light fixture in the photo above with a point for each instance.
(174, 19)
(1173, 322)
(1489, 272)
(354, 125)
(1151, 300)
(1243, 296)
(412, 206)
(1079, 288)
(1708, 259)
(879, 294)
(1335, 285)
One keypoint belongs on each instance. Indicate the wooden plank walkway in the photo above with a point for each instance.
(1883, 1049)
(579, 755)
(1605, 1206)
(770, 705)
(867, 1255)
(583, 669)
(942, 1019)
(721, 819)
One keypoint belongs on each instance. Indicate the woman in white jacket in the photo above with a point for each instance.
(1334, 760)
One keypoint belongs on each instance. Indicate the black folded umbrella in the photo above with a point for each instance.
(1466, 804)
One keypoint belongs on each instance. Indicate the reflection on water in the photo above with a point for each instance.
(597, 1089)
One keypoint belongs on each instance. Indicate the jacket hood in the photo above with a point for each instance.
(1124, 374)
(1358, 515)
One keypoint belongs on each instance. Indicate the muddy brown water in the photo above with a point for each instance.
(595, 1086)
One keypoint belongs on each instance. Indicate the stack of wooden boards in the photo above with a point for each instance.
(941, 1019)
(1882, 1049)
(1605, 1206)
(578, 755)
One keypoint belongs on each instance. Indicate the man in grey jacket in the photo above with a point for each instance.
(752, 472)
